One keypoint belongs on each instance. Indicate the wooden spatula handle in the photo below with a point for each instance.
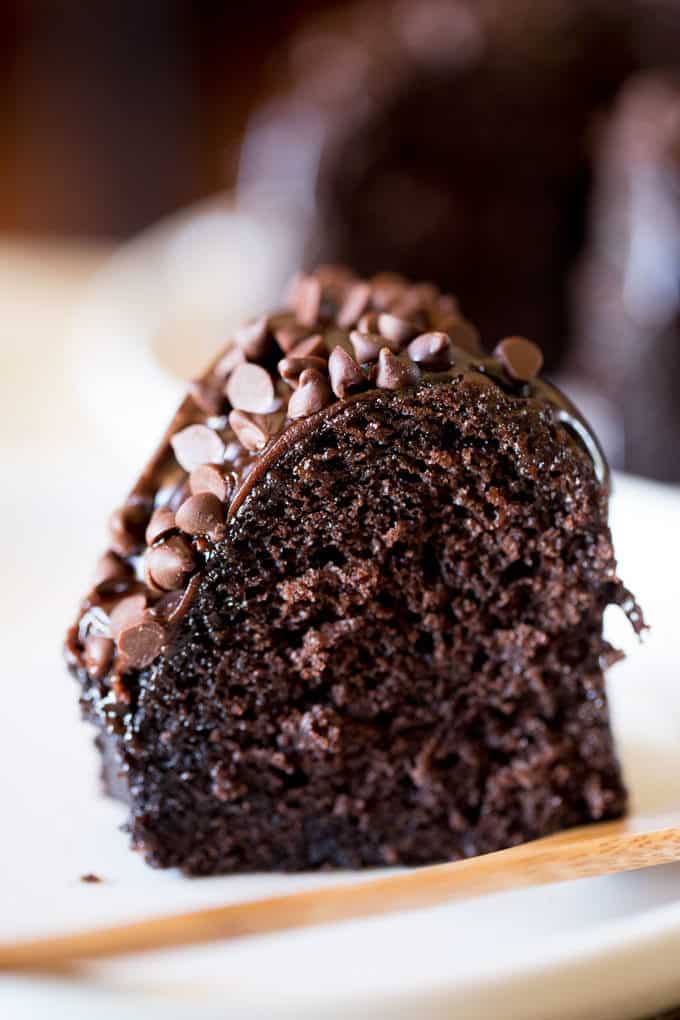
(600, 849)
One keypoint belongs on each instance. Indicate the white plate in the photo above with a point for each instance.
(597, 948)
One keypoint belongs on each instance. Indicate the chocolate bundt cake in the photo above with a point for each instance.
(351, 613)
(449, 141)
(457, 141)
(629, 332)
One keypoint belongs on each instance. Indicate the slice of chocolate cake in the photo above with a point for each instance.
(352, 610)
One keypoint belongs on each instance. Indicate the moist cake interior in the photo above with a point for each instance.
(394, 655)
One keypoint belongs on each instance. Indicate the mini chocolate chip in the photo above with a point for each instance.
(410, 307)
(386, 288)
(172, 606)
(345, 375)
(99, 652)
(521, 358)
(141, 643)
(447, 304)
(126, 528)
(312, 394)
(313, 347)
(395, 373)
(253, 338)
(127, 612)
(354, 304)
(463, 334)
(292, 288)
(290, 368)
(196, 445)
(212, 478)
(432, 350)
(308, 300)
(168, 566)
(425, 294)
(251, 430)
(367, 346)
(161, 524)
(368, 323)
(90, 878)
(334, 275)
(290, 335)
(250, 388)
(202, 514)
(393, 327)
(231, 359)
(207, 394)
(110, 567)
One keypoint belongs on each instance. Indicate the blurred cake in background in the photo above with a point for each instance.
(458, 141)
(628, 337)
(441, 139)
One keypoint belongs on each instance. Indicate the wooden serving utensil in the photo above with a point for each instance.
(604, 848)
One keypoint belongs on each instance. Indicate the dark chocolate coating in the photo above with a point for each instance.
(390, 649)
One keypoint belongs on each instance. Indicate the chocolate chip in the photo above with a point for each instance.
(368, 323)
(345, 375)
(141, 643)
(250, 388)
(313, 346)
(386, 288)
(169, 565)
(231, 359)
(251, 430)
(521, 358)
(334, 275)
(425, 295)
(367, 346)
(395, 373)
(196, 445)
(207, 394)
(293, 287)
(172, 606)
(432, 350)
(289, 336)
(126, 528)
(99, 652)
(393, 327)
(110, 567)
(90, 878)
(410, 307)
(355, 302)
(161, 524)
(126, 613)
(312, 394)
(463, 334)
(290, 369)
(202, 514)
(446, 304)
(308, 300)
(253, 338)
(212, 478)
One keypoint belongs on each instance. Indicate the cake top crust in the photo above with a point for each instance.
(339, 340)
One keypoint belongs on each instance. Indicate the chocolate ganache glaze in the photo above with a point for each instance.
(340, 340)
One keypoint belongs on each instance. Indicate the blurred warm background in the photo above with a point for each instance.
(524, 154)
(116, 112)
